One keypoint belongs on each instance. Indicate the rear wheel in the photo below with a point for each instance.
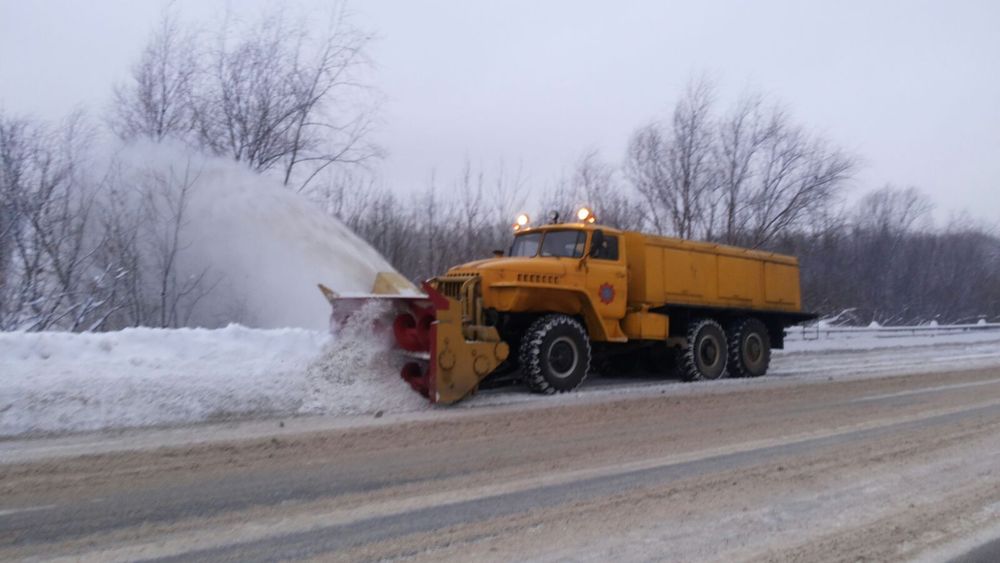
(749, 348)
(705, 356)
(555, 354)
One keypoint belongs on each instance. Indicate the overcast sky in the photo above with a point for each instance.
(913, 87)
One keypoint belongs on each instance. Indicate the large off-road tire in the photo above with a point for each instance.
(555, 354)
(705, 356)
(749, 348)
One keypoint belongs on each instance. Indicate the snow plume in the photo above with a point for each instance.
(256, 248)
(358, 370)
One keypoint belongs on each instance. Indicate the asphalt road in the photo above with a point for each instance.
(893, 468)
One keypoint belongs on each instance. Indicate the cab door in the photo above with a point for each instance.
(607, 277)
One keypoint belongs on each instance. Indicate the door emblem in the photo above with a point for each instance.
(606, 293)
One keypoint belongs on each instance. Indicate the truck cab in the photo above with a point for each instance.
(597, 254)
(577, 269)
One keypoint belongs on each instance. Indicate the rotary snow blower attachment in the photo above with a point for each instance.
(447, 348)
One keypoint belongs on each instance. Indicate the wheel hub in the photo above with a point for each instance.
(563, 357)
(753, 348)
(709, 352)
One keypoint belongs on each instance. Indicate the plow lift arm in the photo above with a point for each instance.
(449, 355)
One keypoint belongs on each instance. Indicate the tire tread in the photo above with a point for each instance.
(530, 352)
(735, 333)
(689, 365)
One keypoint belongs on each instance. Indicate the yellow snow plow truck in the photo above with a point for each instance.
(568, 296)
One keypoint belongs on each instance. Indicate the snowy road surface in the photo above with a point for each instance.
(796, 467)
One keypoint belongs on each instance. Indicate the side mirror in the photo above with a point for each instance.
(596, 243)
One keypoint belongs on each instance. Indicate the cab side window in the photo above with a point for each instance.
(608, 250)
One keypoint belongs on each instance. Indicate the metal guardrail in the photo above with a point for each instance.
(816, 332)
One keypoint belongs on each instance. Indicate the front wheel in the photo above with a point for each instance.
(555, 354)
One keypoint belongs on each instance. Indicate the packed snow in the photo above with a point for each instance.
(874, 338)
(56, 381)
(358, 371)
(63, 382)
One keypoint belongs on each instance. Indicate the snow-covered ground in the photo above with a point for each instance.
(62, 382)
(138, 377)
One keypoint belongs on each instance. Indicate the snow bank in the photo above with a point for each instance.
(139, 377)
(64, 382)
(798, 341)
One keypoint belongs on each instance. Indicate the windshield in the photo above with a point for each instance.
(526, 245)
(561, 244)
(567, 244)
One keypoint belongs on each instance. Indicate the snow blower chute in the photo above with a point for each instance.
(448, 353)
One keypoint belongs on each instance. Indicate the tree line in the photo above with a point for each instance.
(748, 176)
(88, 245)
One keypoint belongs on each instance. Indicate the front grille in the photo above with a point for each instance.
(466, 290)
(451, 289)
(537, 278)
(451, 286)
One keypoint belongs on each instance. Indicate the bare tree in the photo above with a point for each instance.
(489, 202)
(18, 142)
(598, 185)
(15, 141)
(797, 174)
(166, 198)
(148, 249)
(278, 98)
(156, 102)
(601, 186)
(508, 195)
(48, 278)
(742, 179)
(671, 166)
(892, 210)
(688, 164)
(122, 254)
(740, 137)
(471, 216)
(645, 168)
(272, 94)
(443, 224)
(883, 260)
